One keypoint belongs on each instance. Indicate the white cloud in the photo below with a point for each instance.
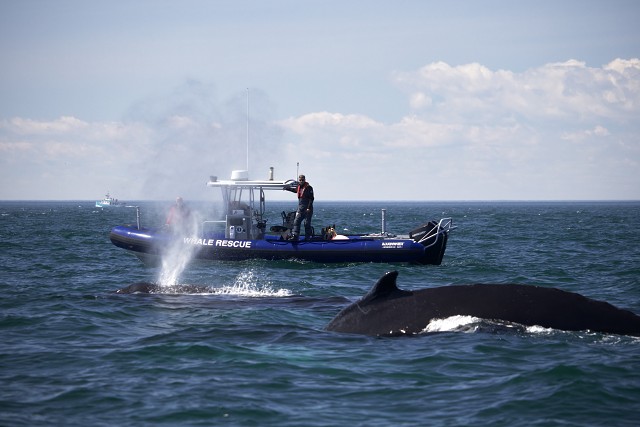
(328, 122)
(64, 124)
(550, 132)
(167, 146)
(46, 159)
(556, 91)
(580, 135)
(559, 131)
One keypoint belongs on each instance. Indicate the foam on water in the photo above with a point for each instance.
(453, 323)
(247, 284)
(535, 329)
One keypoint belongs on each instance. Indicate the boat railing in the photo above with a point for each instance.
(137, 208)
(444, 226)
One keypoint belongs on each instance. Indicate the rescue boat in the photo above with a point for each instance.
(242, 234)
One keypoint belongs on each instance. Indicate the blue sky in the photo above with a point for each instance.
(376, 100)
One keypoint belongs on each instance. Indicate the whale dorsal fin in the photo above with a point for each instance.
(385, 286)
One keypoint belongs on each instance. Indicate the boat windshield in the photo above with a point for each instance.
(244, 200)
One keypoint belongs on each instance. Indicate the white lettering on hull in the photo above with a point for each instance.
(392, 245)
(243, 244)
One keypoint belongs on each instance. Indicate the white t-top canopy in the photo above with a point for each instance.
(240, 179)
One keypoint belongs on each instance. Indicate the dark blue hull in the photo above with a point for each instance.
(147, 243)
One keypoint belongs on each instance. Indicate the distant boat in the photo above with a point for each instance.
(109, 202)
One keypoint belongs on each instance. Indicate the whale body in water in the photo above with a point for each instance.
(154, 288)
(389, 311)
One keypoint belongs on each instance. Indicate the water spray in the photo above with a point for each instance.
(178, 255)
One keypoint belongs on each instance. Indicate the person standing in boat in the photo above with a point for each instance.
(179, 215)
(305, 208)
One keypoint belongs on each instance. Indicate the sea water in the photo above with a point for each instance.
(253, 350)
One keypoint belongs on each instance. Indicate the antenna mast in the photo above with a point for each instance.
(247, 129)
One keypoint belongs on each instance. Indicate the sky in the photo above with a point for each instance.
(371, 100)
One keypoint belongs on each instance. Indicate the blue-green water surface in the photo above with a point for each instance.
(255, 352)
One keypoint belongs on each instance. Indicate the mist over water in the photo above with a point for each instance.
(194, 134)
(174, 261)
(178, 255)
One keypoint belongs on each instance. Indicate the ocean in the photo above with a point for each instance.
(254, 352)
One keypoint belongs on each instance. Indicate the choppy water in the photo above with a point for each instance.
(254, 350)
